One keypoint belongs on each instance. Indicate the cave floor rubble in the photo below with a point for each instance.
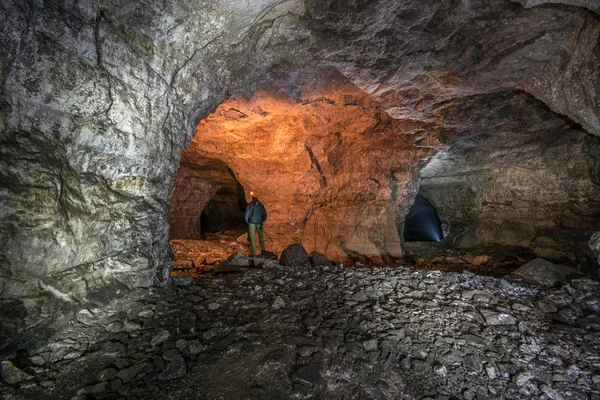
(328, 333)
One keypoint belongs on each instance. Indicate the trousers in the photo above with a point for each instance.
(252, 228)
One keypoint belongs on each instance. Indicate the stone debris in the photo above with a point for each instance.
(543, 272)
(11, 374)
(295, 256)
(595, 245)
(328, 332)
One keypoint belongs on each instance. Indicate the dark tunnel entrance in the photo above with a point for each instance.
(207, 217)
(225, 211)
(207, 199)
(422, 223)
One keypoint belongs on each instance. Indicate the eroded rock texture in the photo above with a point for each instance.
(196, 187)
(339, 174)
(329, 164)
(595, 245)
(517, 175)
(98, 101)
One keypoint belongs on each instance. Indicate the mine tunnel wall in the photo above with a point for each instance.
(546, 201)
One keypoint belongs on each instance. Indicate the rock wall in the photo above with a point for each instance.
(519, 176)
(329, 164)
(196, 186)
(590, 4)
(595, 246)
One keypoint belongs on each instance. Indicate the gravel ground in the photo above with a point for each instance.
(326, 333)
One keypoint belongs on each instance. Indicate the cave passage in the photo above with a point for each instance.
(225, 211)
(207, 216)
(351, 120)
(422, 222)
(207, 199)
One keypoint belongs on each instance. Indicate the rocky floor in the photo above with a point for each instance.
(328, 333)
(198, 258)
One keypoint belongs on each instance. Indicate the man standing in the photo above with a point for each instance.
(256, 215)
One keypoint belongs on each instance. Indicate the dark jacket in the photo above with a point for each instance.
(255, 213)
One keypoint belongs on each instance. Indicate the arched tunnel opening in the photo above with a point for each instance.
(207, 222)
(225, 211)
(422, 223)
(131, 137)
(206, 200)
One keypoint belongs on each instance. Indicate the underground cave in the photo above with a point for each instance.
(133, 133)
(422, 223)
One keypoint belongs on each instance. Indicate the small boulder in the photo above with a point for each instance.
(93, 389)
(319, 259)
(127, 374)
(234, 263)
(543, 272)
(295, 256)
(175, 369)
(11, 374)
(237, 259)
(160, 337)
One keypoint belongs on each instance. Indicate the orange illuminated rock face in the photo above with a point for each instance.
(196, 186)
(330, 165)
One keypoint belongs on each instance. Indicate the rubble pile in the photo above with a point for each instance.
(327, 332)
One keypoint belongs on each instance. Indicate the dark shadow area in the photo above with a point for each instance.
(207, 199)
(225, 211)
(422, 222)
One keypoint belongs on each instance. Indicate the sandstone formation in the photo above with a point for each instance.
(99, 100)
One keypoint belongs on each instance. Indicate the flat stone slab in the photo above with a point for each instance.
(543, 272)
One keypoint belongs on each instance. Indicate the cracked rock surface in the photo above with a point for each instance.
(327, 332)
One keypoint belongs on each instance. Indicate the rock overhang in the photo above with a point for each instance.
(340, 173)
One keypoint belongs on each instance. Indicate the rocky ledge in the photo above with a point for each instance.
(327, 332)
